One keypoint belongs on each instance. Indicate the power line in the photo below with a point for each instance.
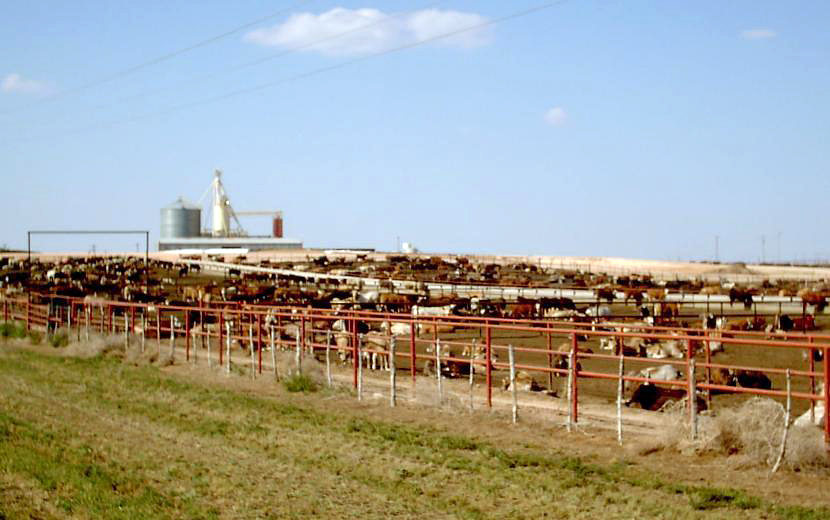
(264, 59)
(160, 59)
(315, 72)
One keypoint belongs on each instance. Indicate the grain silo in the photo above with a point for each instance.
(181, 220)
(181, 228)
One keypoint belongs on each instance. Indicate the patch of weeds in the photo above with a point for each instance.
(12, 330)
(403, 473)
(59, 339)
(711, 498)
(35, 337)
(300, 383)
(802, 513)
(460, 464)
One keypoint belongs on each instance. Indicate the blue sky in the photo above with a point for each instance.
(618, 128)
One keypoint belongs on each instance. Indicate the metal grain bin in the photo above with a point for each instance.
(181, 220)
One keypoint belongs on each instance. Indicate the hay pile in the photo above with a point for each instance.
(749, 435)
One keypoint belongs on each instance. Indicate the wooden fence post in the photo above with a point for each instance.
(392, 372)
(512, 359)
(172, 339)
(620, 398)
(473, 351)
(187, 337)
(209, 341)
(273, 351)
(158, 331)
(259, 341)
(488, 362)
(298, 360)
(786, 425)
(573, 397)
(355, 352)
(220, 336)
(228, 345)
(413, 357)
(328, 358)
(251, 347)
(549, 348)
(692, 399)
(438, 371)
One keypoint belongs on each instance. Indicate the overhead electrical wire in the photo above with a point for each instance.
(159, 59)
(314, 72)
(264, 59)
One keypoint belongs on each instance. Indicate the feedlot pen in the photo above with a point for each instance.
(558, 360)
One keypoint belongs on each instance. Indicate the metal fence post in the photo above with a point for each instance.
(549, 348)
(358, 354)
(811, 365)
(827, 398)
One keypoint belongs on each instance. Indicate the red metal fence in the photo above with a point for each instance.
(314, 330)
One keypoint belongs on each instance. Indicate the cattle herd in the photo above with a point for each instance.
(622, 305)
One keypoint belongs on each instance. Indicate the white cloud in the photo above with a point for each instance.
(13, 83)
(758, 34)
(556, 116)
(381, 31)
(431, 23)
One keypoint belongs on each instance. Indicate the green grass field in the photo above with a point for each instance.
(98, 438)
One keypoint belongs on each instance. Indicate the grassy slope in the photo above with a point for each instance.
(97, 438)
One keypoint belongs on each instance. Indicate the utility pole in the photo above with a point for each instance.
(717, 239)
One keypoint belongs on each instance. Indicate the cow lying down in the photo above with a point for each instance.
(656, 398)
(650, 396)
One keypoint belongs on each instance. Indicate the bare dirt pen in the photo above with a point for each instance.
(100, 438)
